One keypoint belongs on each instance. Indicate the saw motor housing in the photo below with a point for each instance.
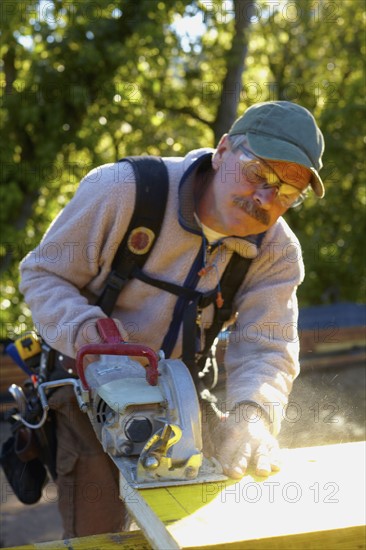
(155, 426)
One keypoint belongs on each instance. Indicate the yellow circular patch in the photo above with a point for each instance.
(140, 240)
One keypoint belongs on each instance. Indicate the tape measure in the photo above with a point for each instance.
(28, 346)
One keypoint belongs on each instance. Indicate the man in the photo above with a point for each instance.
(219, 201)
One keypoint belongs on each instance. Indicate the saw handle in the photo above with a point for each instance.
(109, 332)
(114, 345)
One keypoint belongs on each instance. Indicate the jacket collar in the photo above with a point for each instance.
(248, 247)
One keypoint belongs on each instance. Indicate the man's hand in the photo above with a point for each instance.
(239, 439)
(88, 334)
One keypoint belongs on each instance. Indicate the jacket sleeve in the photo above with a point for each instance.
(61, 278)
(262, 355)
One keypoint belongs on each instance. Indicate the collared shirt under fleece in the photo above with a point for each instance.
(62, 277)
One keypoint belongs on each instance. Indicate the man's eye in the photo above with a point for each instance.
(268, 185)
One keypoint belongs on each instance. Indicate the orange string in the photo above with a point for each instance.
(219, 300)
(204, 270)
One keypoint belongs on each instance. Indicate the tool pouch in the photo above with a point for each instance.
(23, 469)
(26, 445)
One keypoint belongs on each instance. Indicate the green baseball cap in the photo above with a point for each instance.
(281, 130)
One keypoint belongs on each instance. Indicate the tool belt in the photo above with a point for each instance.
(28, 456)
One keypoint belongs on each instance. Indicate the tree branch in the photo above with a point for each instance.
(9, 70)
(185, 110)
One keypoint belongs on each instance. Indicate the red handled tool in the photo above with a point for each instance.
(114, 345)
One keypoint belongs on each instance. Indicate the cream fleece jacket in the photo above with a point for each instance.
(62, 277)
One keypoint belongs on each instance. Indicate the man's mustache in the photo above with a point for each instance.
(250, 208)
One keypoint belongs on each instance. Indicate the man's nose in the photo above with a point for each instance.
(265, 197)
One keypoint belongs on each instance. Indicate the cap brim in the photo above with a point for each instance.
(317, 184)
(274, 149)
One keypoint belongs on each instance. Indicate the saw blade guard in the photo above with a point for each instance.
(175, 451)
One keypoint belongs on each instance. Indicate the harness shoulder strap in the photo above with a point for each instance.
(152, 184)
(231, 280)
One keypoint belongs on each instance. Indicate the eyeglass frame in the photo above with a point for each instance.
(302, 194)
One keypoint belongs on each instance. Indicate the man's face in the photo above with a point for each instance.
(248, 195)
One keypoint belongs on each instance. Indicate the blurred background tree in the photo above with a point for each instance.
(86, 83)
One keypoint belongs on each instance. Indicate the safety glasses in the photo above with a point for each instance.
(262, 176)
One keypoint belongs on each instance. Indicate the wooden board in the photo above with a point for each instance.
(318, 495)
(133, 540)
(341, 539)
(317, 501)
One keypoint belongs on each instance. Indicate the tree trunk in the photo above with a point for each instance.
(232, 85)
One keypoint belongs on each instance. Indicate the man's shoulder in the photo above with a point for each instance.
(114, 174)
(189, 158)
(109, 175)
(280, 232)
(281, 247)
(177, 166)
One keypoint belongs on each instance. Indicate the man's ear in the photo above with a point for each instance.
(221, 148)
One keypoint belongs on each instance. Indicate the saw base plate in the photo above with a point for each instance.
(209, 472)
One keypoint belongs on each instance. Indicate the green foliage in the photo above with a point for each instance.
(319, 64)
(85, 83)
